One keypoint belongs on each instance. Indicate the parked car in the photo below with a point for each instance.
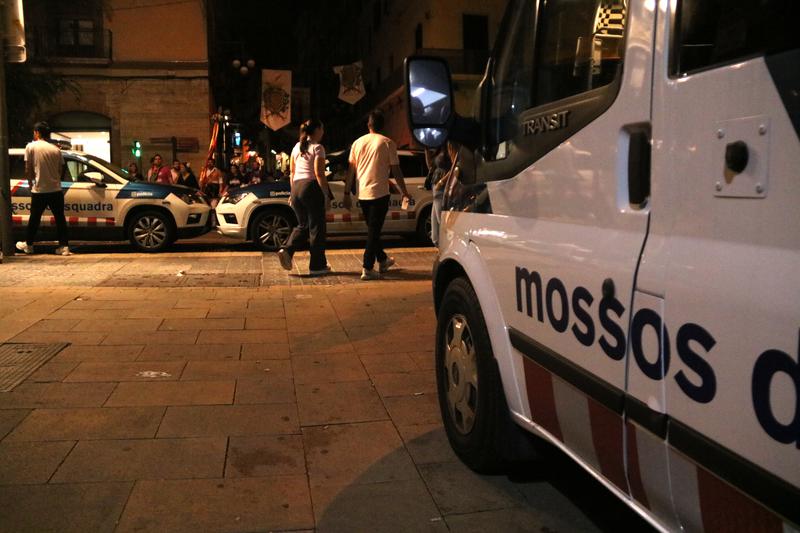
(261, 213)
(102, 204)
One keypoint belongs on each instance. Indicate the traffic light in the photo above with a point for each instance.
(136, 149)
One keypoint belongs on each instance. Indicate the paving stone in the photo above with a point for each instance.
(54, 337)
(168, 313)
(63, 507)
(427, 444)
(52, 371)
(319, 324)
(387, 363)
(252, 336)
(229, 420)
(151, 337)
(336, 403)
(414, 410)
(184, 324)
(265, 351)
(268, 323)
(219, 370)
(173, 393)
(131, 460)
(137, 371)
(190, 352)
(31, 462)
(356, 453)
(269, 455)
(89, 423)
(424, 360)
(327, 368)
(446, 482)
(267, 390)
(399, 506)
(37, 395)
(405, 384)
(520, 520)
(229, 505)
(97, 354)
(10, 418)
(120, 324)
(50, 325)
(318, 344)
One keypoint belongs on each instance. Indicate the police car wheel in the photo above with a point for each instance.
(150, 231)
(271, 229)
(471, 398)
(424, 227)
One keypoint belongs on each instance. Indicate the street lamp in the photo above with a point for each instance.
(244, 69)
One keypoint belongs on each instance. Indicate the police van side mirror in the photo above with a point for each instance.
(96, 178)
(429, 92)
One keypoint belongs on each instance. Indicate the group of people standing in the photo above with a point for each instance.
(373, 161)
(214, 182)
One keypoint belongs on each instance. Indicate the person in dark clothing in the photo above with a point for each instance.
(308, 199)
(186, 177)
(133, 172)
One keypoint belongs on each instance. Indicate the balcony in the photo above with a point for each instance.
(76, 47)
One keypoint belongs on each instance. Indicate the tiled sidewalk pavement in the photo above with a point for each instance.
(231, 409)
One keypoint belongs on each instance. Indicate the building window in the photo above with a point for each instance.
(378, 76)
(475, 30)
(386, 6)
(418, 37)
(76, 32)
(391, 63)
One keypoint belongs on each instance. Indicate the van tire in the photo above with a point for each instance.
(280, 221)
(151, 231)
(493, 442)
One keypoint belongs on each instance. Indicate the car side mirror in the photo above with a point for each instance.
(429, 91)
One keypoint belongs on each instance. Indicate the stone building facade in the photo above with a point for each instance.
(141, 72)
(461, 31)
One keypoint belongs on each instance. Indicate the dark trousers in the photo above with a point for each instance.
(374, 215)
(308, 202)
(41, 201)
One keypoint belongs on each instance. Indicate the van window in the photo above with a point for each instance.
(17, 167)
(709, 33)
(579, 46)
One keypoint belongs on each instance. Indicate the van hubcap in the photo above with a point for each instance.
(461, 372)
(150, 232)
(273, 231)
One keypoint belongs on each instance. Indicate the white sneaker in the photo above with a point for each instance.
(321, 272)
(386, 264)
(63, 250)
(285, 259)
(369, 275)
(24, 247)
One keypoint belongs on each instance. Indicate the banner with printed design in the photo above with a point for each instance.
(276, 98)
(351, 82)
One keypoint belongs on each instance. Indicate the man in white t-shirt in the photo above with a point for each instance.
(373, 159)
(44, 166)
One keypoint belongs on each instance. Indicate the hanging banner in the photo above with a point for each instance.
(276, 98)
(351, 82)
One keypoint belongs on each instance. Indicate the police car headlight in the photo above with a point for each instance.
(192, 198)
(235, 199)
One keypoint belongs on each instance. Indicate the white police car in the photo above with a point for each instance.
(101, 204)
(261, 213)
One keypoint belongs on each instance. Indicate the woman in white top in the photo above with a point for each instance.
(309, 192)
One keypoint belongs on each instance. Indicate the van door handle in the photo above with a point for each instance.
(639, 151)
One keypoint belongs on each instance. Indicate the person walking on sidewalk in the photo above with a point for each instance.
(373, 159)
(308, 199)
(44, 166)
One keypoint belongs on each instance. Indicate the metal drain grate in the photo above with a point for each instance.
(18, 361)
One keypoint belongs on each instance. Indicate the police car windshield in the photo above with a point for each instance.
(119, 171)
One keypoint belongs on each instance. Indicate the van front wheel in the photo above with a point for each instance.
(471, 398)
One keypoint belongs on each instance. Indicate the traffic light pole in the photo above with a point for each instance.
(5, 180)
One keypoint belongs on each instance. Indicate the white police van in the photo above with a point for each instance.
(101, 204)
(619, 271)
(261, 213)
